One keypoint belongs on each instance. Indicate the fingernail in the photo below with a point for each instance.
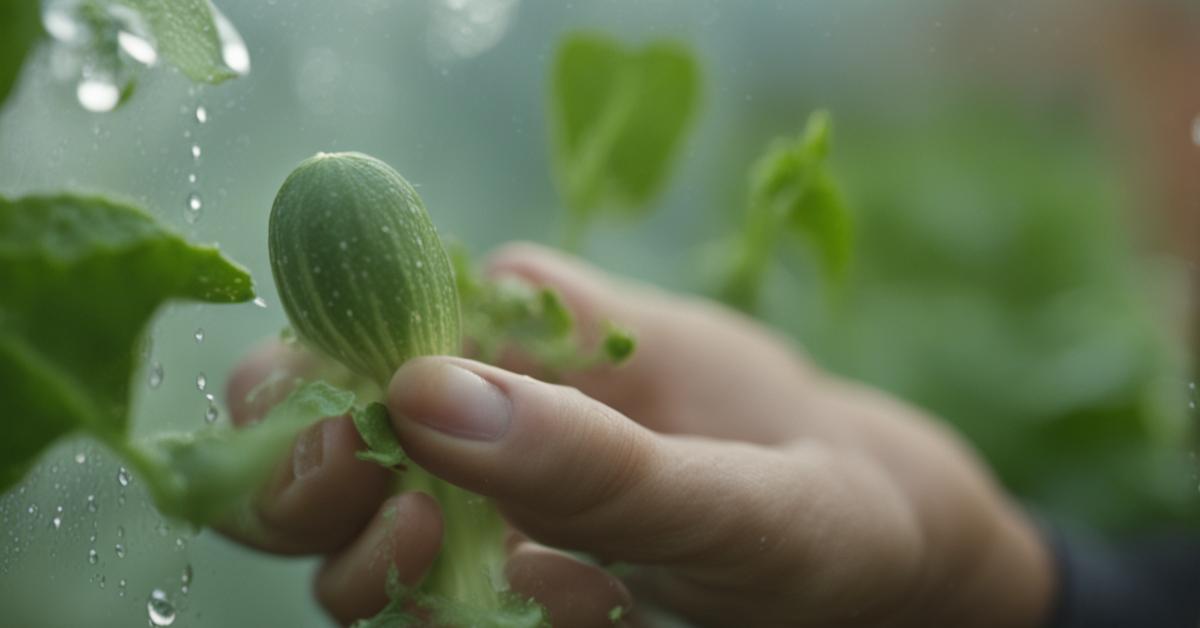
(309, 451)
(471, 407)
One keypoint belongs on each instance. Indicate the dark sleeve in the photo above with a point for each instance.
(1149, 583)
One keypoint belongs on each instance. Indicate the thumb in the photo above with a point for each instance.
(573, 473)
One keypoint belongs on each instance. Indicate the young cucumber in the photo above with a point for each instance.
(359, 267)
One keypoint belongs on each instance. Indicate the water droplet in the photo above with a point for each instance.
(120, 550)
(196, 151)
(154, 380)
(198, 335)
(56, 522)
(211, 414)
(137, 47)
(98, 93)
(61, 23)
(201, 114)
(120, 532)
(103, 580)
(80, 458)
(195, 207)
(201, 382)
(191, 177)
(159, 608)
(93, 556)
(92, 506)
(123, 476)
(121, 587)
(260, 302)
(233, 48)
(185, 579)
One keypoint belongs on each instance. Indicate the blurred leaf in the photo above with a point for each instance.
(186, 33)
(375, 427)
(79, 279)
(618, 116)
(995, 284)
(791, 190)
(508, 312)
(19, 29)
(202, 476)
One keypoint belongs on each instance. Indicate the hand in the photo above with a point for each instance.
(744, 485)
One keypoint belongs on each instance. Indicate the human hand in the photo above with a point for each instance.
(745, 486)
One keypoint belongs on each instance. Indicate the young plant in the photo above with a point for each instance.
(791, 193)
(365, 280)
(618, 117)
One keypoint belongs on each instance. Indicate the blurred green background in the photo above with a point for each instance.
(1007, 275)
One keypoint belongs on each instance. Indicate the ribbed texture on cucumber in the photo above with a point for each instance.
(359, 267)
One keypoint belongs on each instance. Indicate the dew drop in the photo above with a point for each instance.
(194, 208)
(195, 151)
(198, 335)
(160, 609)
(233, 47)
(98, 94)
(191, 177)
(92, 506)
(154, 381)
(123, 476)
(201, 114)
(121, 587)
(120, 550)
(185, 579)
(56, 522)
(93, 556)
(61, 23)
(260, 302)
(137, 47)
(80, 458)
(120, 532)
(201, 382)
(211, 414)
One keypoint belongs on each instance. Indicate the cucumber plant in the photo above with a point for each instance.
(362, 275)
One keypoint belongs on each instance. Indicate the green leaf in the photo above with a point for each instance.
(618, 116)
(792, 191)
(187, 34)
(19, 29)
(509, 312)
(375, 428)
(618, 344)
(79, 279)
(203, 475)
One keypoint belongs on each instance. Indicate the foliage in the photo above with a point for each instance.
(507, 312)
(82, 277)
(188, 34)
(618, 117)
(791, 193)
(998, 288)
(19, 29)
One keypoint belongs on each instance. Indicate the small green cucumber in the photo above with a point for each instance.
(359, 267)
